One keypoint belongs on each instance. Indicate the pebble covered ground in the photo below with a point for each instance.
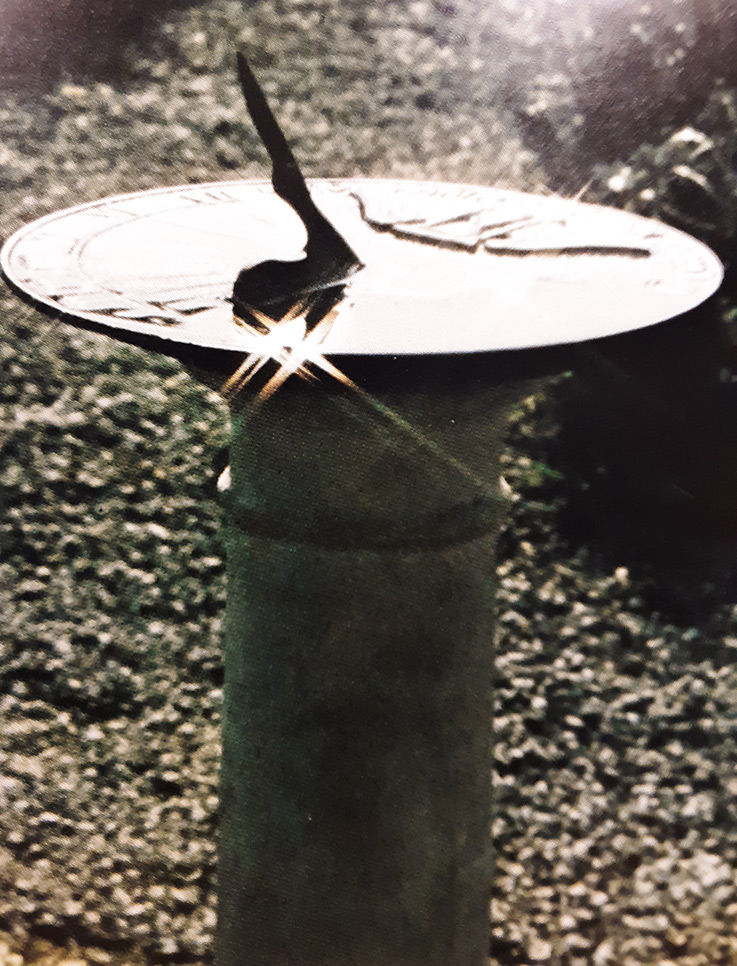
(616, 721)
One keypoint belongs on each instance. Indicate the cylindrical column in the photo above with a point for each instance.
(355, 784)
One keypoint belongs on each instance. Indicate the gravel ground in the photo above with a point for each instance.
(616, 720)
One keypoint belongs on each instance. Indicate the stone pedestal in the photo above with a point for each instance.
(355, 787)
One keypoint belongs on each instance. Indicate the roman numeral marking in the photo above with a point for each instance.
(211, 196)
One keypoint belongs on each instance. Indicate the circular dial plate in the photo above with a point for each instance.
(448, 268)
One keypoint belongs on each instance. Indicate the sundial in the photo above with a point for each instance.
(355, 807)
(448, 268)
(417, 267)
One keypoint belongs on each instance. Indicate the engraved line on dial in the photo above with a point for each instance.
(179, 226)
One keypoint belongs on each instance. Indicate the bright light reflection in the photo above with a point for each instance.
(297, 353)
(287, 343)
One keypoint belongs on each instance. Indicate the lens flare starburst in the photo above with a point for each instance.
(287, 343)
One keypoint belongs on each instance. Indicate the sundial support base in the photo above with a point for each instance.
(355, 783)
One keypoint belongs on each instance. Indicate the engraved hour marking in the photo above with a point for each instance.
(210, 196)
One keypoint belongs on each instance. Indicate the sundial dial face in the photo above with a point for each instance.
(448, 268)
